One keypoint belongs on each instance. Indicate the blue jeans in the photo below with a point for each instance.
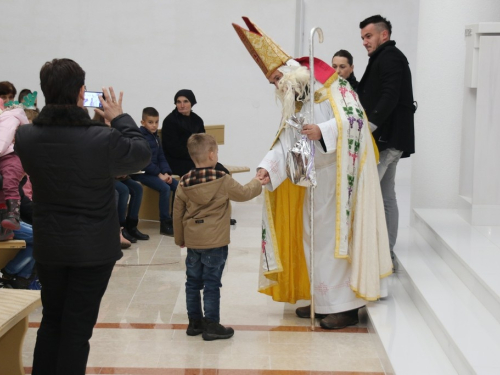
(204, 271)
(23, 262)
(124, 189)
(155, 183)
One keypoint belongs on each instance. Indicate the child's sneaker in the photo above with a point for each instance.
(216, 331)
(11, 221)
(196, 327)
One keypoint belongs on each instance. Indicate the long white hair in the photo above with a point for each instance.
(292, 87)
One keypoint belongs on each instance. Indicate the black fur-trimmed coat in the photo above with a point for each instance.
(72, 162)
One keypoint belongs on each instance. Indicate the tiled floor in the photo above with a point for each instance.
(142, 321)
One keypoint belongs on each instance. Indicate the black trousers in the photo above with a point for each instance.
(71, 297)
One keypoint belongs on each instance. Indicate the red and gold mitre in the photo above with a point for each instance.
(266, 53)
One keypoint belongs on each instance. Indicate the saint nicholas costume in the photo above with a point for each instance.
(350, 235)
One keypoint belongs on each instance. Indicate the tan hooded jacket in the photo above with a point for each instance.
(202, 212)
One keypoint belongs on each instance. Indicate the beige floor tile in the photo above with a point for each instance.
(147, 287)
(123, 271)
(130, 360)
(356, 345)
(245, 361)
(148, 313)
(36, 315)
(163, 296)
(288, 362)
(189, 360)
(125, 285)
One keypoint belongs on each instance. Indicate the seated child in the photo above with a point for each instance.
(19, 272)
(10, 165)
(157, 175)
(202, 214)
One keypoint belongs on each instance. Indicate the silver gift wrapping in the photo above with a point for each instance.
(300, 163)
(300, 158)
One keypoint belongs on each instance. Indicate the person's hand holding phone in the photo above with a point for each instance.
(111, 106)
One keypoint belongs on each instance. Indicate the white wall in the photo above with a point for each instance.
(340, 20)
(439, 90)
(153, 48)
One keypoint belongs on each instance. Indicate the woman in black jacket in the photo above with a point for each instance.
(177, 127)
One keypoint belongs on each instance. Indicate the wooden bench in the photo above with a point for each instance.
(9, 249)
(15, 307)
(149, 207)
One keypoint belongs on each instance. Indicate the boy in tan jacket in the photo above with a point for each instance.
(202, 214)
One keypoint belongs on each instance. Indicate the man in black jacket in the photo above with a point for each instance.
(72, 162)
(385, 91)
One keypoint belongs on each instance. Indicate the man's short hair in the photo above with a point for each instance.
(199, 145)
(346, 54)
(381, 23)
(61, 81)
(149, 111)
(7, 88)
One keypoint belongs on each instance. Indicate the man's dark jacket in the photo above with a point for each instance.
(385, 91)
(72, 162)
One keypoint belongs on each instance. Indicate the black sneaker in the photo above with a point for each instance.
(216, 331)
(20, 283)
(166, 228)
(196, 327)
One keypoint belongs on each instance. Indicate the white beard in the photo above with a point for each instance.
(292, 88)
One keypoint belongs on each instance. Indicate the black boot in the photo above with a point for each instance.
(11, 221)
(128, 236)
(131, 226)
(166, 227)
(216, 331)
(196, 327)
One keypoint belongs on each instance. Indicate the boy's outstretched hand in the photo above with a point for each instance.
(263, 176)
(111, 106)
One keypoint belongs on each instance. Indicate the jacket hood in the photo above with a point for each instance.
(64, 115)
(203, 193)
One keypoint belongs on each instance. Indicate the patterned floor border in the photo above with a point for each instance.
(235, 327)
(179, 371)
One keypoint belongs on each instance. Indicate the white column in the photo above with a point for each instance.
(479, 171)
(441, 95)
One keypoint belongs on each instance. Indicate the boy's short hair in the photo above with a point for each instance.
(149, 111)
(199, 145)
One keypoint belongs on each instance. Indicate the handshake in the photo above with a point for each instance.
(262, 176)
